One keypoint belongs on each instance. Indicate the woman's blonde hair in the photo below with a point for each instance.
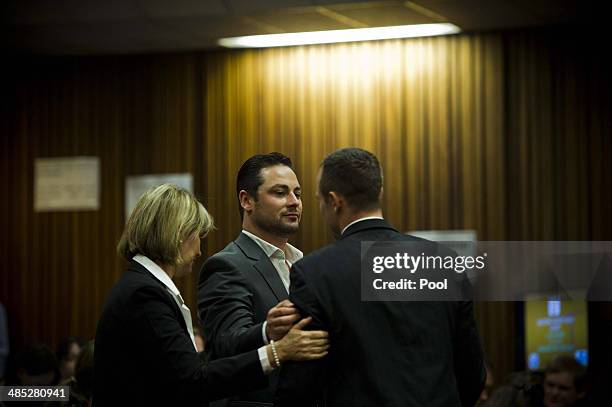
(163, 218)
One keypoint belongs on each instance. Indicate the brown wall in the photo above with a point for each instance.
(507, 134)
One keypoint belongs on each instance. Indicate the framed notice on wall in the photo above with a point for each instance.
(137, 185)
(67, 184)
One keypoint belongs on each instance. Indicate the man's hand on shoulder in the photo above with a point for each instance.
(280, 319)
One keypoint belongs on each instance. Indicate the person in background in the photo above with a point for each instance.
(489, 382)
(521, 389)
(36, 365)
(565, 382)
(81, 383)
(145, 352)
(68, 352)
(507, 396)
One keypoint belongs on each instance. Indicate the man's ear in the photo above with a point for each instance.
(336, 201)
(246, 201)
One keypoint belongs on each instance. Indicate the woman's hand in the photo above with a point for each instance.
(302, 345)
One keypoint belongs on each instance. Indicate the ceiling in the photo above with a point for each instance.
(80, 27)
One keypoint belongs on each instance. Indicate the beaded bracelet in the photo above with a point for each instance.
(276, 359)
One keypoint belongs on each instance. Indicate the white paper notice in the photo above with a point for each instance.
(137, 185)
(66, 184)
(461, 242)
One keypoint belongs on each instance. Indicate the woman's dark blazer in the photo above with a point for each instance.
(143, 354)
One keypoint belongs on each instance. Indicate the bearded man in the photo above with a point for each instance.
(243, 289)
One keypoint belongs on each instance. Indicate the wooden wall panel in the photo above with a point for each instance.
(423, 106)
(431, 109)
(504, 133)
(485, 132)
(138, 115)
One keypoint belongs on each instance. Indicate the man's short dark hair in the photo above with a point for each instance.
(355, 174)
(36, 359)
(249, 176)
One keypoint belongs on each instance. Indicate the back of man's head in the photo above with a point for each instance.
(356, 175)
(36, 365)
(249, 176)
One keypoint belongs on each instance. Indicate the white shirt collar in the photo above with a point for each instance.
(292, 254)
(358, 220)
(161, 275)
(157, 272)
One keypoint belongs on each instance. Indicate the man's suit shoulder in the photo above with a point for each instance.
(229, 252)
(230, 259)
(343, 250)
(314, 258)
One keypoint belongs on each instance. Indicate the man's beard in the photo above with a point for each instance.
(275, 226)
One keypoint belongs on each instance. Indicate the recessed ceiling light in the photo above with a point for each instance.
(333, 36)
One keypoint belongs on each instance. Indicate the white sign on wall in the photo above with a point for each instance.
(137, 185)
(461, 242)
(66, 184)
(454, 236)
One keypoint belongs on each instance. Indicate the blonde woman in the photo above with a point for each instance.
(145, 352)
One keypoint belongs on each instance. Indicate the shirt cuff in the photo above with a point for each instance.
(263, 358)
(263, 333)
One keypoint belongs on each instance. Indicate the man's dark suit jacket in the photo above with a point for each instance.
(236, 289)
(382, 353)
(144, 356)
